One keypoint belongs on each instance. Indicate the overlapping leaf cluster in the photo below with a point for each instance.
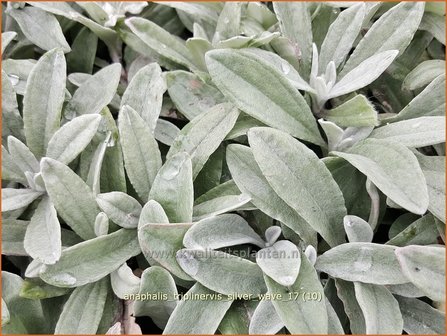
(154, 148)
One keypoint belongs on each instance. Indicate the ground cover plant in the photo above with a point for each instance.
(232, 168)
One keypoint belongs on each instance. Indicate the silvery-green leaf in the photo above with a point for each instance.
(265, 320)
(83, 310)
(298, 315)
(173, 188)
(124, 282)
(160, 242)
(5, 312)
(144, 94)
(203, 135)
(423, 74)
(334, 133)
(357, 229)
(166, 132)
(13, 199)
(311, 253)
(198, 316)
(190, 94)
(251, 181)
(435, 25)
(94, 172)
(222, 272)
(198, 47)
(365, 73)
(13, 234)
(12, 122)
(296, 24)
(26, 315)
(92, 260)
(333, 324)
(201, 11)
(121, 208)
(22, 156)
(281, 262)
(101, 224)
(433, 168)
(7, 38)
(42, 240)
(394, 169)
(10, 170)
(406, 290)
(430, 102)
(237, 74)
(229, 22)
(341, 36)
(421, 318)
(286, 163)
(17, 73)
(71, 139)
(364, 262)
(82, 56)
(142, 157)
(272, 234)
(72, 198)
(158, 282)
(237, 318)
(392, 31)
(416, 132)
(160, 40)
(224, 189)
(346, 293)
(43, 100)
(115, 329)
(221, 231)
(421, 232)
(356, 112)
(152, 212)
(33, 269)
(37, 289)
(239, 42)
(424, 266)
(380, 309)
(95, 93)
(220, 205)
(40, 27)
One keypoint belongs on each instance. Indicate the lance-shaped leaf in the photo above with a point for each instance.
(82, 56)
(173, 188)
(12, 122)
(121, 208)
(421, 318)
(364, 262)
(273, 100)
(287, 164)
(145, 94)
(281, 262)
(333, 324)
(13, 199)
(220, 205)
(160, 242)
(252, 182)
(423, 74)
(203, 135)
(84, 308)
(296, 24)
(393, 30)
(22, 156)
(298, 315)
(160, 40)
(221, 231)
(124, 282)
(5, 312)
(228, 24)
(433, 168)
(72, 138)
(380, 309)
(435, 25)
(357, 229)
(43, 236)
(198, 316)
(237, 318)
(416, 132)
(341, 36)
(365, 73)
(421, 232)
(36, 289)
(166, 132)
(40, 27)
(356, 112)
(142, 157)
(265, 320)
(394, 169)
(72, 198)
(95, 93)
(424, 266)
(92, 260)
(13, 233)
(157, 282)
(222, 272)
(44, 96)
(7, 38)
(190, 94)
(346, 293)
(152, 212)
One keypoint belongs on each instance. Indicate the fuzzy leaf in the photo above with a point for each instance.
(265, 320)
(13, 199)
(124, 282)
(357, 229)
(13, 234)
(121, 208)
(423, 74)
(22, 156)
